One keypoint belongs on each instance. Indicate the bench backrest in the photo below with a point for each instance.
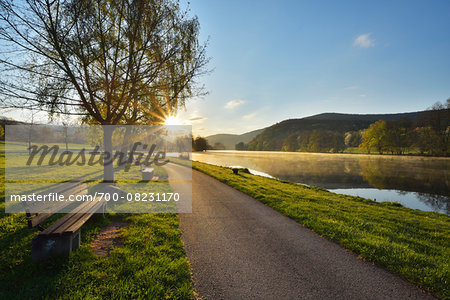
(37, 212)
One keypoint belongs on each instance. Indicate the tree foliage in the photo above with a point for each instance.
(200, 144)
(428, 140)
(321, 141)
(290, 144)
(352, 138)
(427, 131)
(430, 134)
(113, 62)
(241, 146)
(109, 61)
(374, 137)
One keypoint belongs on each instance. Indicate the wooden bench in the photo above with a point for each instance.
(63, 236)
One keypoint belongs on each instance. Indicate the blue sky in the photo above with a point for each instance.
(275, 60)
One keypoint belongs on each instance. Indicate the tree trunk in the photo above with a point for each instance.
(126, 141)
(108, 171)
(66, 139)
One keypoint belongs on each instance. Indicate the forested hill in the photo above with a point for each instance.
(273, 137)
(413, 116)
(230, 140)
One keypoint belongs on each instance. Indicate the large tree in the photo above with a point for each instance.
(374, 137)
(111, 62)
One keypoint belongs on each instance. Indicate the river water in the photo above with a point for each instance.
(416, 182)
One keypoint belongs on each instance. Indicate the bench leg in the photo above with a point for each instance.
(76, 239)
(43, 247)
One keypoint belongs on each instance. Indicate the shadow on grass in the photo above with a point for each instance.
(20, 277)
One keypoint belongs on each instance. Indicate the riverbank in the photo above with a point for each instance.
(350, 153)
(415, 182)
(411, 243)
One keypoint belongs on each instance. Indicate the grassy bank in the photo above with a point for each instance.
(411, 243)
(151, 264)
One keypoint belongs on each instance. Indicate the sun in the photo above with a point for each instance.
(172, 120)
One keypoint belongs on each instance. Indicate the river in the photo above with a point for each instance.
(416, 182)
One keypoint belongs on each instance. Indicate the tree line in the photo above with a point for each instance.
(428, 135)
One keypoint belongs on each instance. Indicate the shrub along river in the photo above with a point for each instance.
(416, 182)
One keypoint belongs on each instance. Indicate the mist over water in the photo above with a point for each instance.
(416, 182)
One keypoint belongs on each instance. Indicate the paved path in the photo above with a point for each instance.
(239, 248)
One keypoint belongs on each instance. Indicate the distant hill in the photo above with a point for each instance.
(230, 140)
(8, 121)
(413, 116)
(272, 137)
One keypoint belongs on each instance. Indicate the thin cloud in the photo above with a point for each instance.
(233, 103)
(198, 118)
(195, 120)
(364, 41)
(249, 116)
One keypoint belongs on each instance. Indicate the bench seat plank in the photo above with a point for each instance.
(77, 221)
(80, 222)
(67, 218)
(36, 220)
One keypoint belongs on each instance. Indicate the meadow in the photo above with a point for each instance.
(150, 264)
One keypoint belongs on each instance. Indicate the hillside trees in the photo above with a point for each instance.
(241, 146)
(398, 136)
(290, 144)
(110, 62)
(428, 141)
(261, 144)
(352, 138)
(391, 137)
(316, 141)
(325, 141)
(427, 132)
(436, 138)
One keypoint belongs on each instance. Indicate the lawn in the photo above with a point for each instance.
(151, 263)
(411, 243)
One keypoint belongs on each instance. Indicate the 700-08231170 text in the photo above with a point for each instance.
(97, 196)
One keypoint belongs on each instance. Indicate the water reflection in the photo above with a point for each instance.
(426, 179)
(437, 202)
(412, 174)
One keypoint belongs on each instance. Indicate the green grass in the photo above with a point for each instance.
(411, 243)
(151, 264)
